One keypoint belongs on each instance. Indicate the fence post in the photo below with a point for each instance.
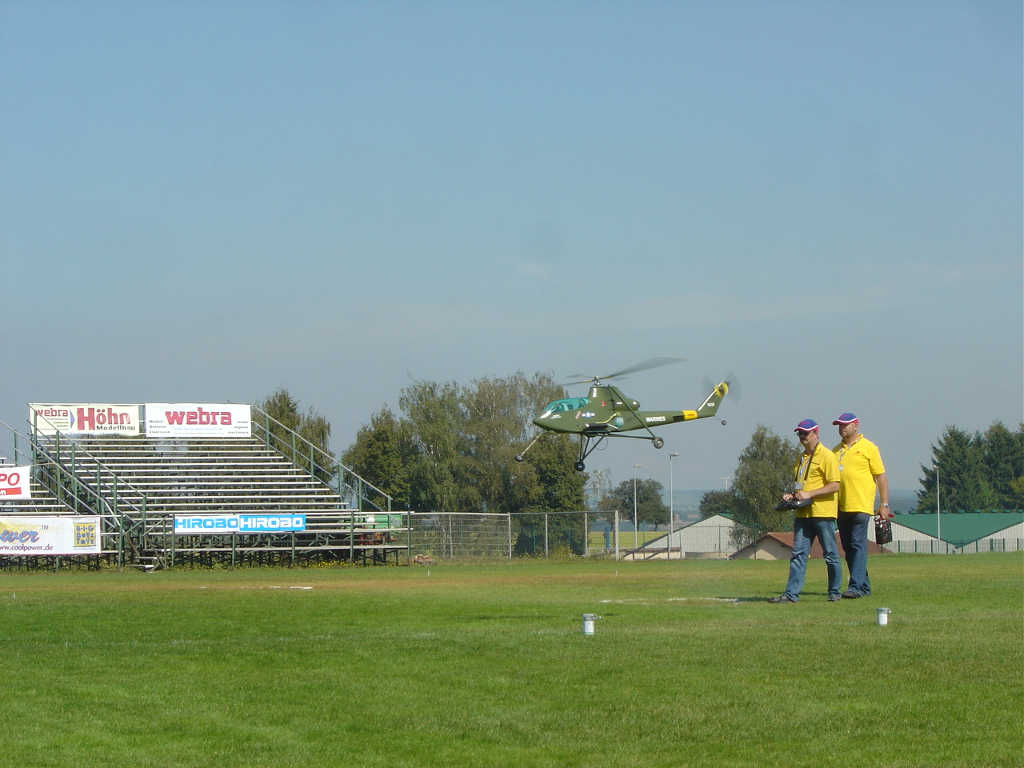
(616, 534)
(545, 535)
(509, 514)
(586, 533)
(120, 526)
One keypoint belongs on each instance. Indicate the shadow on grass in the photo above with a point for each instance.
(748, 599)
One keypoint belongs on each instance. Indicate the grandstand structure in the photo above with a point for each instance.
(160, 485)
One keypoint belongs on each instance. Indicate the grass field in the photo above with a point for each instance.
(486, 665)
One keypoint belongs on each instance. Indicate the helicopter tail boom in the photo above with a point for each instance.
(710, 405)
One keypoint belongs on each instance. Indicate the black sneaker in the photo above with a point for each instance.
(781, 599)
(834, 598)
(851, 595)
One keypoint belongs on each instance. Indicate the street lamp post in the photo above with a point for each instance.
(636, 534)
(671, 511)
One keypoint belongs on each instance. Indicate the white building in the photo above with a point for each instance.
(710, 538)
(956, 533)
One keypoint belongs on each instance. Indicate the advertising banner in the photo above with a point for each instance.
(21, 535)
(204, 525)
(84, 418)
(198, 420)
(15, 483)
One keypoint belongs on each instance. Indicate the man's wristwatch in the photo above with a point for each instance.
(886, 504)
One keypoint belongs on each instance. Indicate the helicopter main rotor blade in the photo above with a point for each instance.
(646, 365)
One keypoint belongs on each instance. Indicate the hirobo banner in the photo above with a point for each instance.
(191, 525)
(15, 483)
(84, 418)
(198, 420)
(21, 535)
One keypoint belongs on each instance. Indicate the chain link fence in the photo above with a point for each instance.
(452, 536)
(562, 534)
(935, 547)
(483, 535)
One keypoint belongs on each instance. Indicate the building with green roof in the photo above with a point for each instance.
(957, 532)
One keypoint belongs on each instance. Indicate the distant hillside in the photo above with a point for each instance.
(902, 501)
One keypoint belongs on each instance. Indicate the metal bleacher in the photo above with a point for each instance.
(143, 484)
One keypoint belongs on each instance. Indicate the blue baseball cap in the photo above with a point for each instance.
(807, 425)
(846, 418)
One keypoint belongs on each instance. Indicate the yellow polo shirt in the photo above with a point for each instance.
(858, 466)
(823, 469)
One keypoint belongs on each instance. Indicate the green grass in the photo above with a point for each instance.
(486, 665)
(595, 539)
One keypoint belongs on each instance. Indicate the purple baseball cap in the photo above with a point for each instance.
(846, 418)
(807, 425)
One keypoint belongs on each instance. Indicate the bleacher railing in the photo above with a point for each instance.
(82, 482)
(64, 482)
(131, 514)
(318, 462)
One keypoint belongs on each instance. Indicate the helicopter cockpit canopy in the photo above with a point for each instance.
(562, 406)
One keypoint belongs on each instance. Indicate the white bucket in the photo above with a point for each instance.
(588, 623)
(883, 616)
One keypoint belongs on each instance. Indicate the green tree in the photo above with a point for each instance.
(436, 417)
(452, 450)
(288, 418)
(1003, 460)
(717, 503)
(383, 454)
(552, 486)
(764, 472)
(962, 481)
(650, 506)
(499, 415)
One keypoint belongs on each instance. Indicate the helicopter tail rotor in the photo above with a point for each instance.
(735, 391)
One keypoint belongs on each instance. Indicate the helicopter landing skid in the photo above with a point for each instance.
(586, 448)
(519, 456)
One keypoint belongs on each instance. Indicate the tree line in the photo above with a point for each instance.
(974, 473)
(451, 448)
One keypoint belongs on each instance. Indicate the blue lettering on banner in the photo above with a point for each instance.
(271, 523)
(206, 524)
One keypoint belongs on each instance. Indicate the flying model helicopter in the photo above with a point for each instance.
(606, 412)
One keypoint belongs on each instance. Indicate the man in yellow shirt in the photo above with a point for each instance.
(815, 479)
(861, 471)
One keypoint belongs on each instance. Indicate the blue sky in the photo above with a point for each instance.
(207, 201)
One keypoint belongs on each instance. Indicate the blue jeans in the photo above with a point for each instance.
(853, 533)
(805, 530)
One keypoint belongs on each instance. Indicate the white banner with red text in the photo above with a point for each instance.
(198, 420)
(84, 418)
(15, 483)
(22, 535)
